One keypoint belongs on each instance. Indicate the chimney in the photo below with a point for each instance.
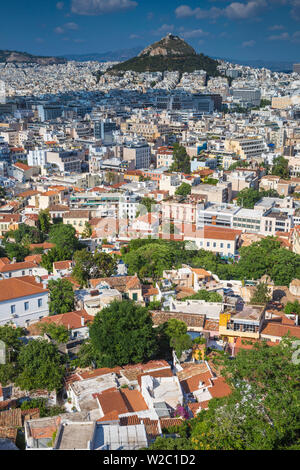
(14, 261)
(82, 321)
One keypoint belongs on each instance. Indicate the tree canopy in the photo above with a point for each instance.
(62, 299)
(123, 333)
(181, 160)
(183, 190)
(92, 266)
(40, 367)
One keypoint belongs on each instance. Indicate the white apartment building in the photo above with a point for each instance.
(22, 301)
(37, 157)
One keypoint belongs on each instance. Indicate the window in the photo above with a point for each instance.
(40, 302)
(228, 245)
(12, 309)
(26, 306)
(23, 273)
(134, 297)
(221, 245)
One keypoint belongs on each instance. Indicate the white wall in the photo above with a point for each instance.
(32, 314)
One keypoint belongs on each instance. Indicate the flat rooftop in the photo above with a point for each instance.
(249, 313)
(75, 436)
(114, 437)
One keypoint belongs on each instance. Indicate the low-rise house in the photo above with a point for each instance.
(22, 301)
(77, 323)
(13, 269)
(157, 390)
(129, 286)
(247, 323)
(77, 218)
(62, 268)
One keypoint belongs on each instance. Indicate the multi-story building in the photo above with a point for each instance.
(103, 130)
(139, 153)
(220, 193)
(22, 301)
(246, 148)
(66, 161)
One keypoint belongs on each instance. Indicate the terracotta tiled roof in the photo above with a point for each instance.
(14, 288)
(279, 330)
(35, 259)
(71, 320)
(11, 418)
(122, 283)
(121, 402)
(9, 433)
(220, 388)
(168, 422)
(195, 408)
(16, 267)
(22, 166)
(62, 265)
(191, 384)
(192, 320)
(77, 214)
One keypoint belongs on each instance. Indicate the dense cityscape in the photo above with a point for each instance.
(149, 253)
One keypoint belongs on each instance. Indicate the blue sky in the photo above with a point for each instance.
(239, 29)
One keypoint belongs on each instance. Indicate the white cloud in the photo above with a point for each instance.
(250, 43)
(59, 30)
(234, 11)
(72, 26)
(279, 37)
(164, 29)
(100, 7)
(276, 27)
(60, 5)
(195, 33)
(237, 10)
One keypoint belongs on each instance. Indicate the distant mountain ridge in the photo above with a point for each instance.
(24, 57)
(110, 56)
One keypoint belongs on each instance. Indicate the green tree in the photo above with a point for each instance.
(292, 308)
(239, 164)
(181, 160)
(14, 250)
(62, 299)
(280, 167)
(183, 190)
(25, 235)
(57, 332)
(45, 410)
(149, 203)
(168, 443)
(64, 237)
(179, 339)
(44, 221)
(123, 333)
(41, 367)
(261, 294)
(10, 336)
(205, 295)
(87, 356)
(92, 266)
(55, 254)
(87, 232)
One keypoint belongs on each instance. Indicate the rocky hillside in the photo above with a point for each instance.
(24, 57)
(170, 54)
(169, 46)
